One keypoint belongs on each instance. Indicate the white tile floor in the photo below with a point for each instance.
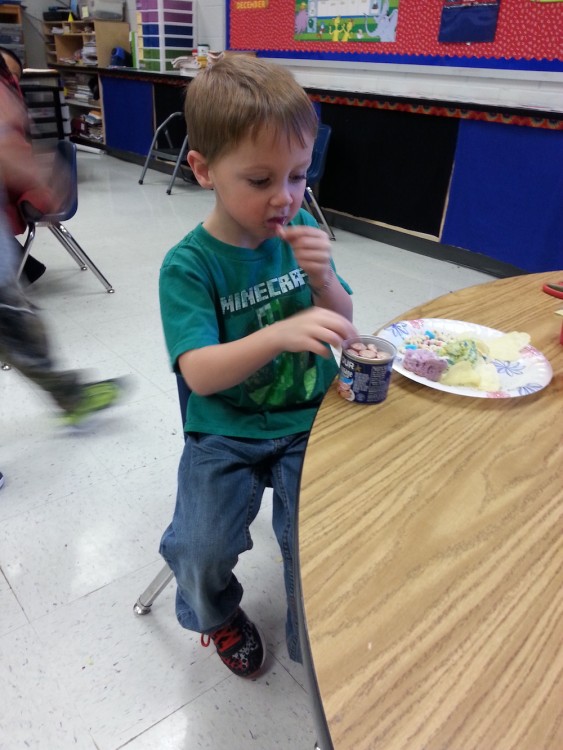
(81, 516)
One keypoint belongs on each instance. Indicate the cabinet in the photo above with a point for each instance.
(87, 42)
(77, 49)
(135, 102)
(11, 31)
(129, 108)
(48, 112)
(82, 94)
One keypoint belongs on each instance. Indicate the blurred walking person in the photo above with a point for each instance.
(24, 342)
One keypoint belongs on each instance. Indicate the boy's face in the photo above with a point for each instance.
(258, 186)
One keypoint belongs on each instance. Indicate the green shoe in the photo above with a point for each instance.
(96, 396)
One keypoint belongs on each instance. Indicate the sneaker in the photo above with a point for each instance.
(33, 269)
(239, 645)
(96, 396)
(1, 479)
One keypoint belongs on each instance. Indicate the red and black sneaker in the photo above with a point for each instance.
(239, 645)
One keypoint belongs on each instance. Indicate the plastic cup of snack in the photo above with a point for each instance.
(365, 369)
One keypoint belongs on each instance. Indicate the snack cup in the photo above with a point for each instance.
(363, 380)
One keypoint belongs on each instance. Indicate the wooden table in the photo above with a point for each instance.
(430, 545)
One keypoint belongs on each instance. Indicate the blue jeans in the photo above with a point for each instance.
(221, 481)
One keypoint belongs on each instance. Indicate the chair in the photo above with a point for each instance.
(314, 176)
(178, 155)
(65, 156)
(145, 601)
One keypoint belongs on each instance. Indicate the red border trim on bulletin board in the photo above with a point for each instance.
(526, 30)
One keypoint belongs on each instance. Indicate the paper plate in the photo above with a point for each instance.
(521, 377)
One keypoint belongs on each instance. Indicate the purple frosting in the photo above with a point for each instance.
(425, 363)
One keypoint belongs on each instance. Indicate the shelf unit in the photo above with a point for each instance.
(48, 113)
(64, 42)
(166, 29)
(11, 30)
(81, 85)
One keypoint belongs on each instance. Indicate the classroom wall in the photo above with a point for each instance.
(211, 25)
(535, 89)
(503, 73)
(211, 20)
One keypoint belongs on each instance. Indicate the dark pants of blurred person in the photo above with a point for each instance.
(23, 338)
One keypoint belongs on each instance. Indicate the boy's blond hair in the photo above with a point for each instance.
(237, 97)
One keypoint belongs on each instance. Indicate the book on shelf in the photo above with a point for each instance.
(93, 118)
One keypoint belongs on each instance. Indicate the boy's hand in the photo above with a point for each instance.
(311, 247)
(312, 329)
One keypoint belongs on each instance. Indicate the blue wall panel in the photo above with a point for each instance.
(128, 109)
(506, 194)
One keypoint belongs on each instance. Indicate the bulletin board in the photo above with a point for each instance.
(528, 33)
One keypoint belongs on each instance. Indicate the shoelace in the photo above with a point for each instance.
(219, 637)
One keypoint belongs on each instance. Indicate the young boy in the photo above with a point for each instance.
(250, 303)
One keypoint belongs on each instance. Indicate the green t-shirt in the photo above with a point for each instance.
(213, 293)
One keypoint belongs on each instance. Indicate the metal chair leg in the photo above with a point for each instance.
(179, 161)
(67, 246)
(149, 156)
(144, 603)
(76, 252)
(311, 200)
(27, 245)
(155, 152)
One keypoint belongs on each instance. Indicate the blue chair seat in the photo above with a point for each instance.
(65, 163)
(315, 174)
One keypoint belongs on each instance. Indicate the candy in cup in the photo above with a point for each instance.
(365, 369)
